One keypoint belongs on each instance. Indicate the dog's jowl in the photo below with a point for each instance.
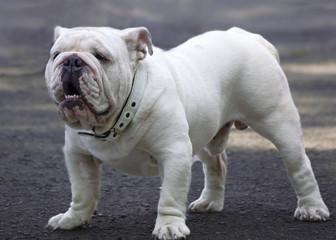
(146, 111)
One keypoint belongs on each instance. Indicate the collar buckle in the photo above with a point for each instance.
(109, 135)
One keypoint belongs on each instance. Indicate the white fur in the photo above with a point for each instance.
(193, 91)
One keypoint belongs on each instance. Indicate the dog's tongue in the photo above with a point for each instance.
(74, 109)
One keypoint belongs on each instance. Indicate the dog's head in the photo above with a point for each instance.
(90, 71)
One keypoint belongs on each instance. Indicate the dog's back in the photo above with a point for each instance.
(259, 39)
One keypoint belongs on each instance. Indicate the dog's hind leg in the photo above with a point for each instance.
(214, 162)
(282, 127)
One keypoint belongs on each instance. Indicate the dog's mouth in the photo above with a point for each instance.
(80, 101)
(75, 109)
(74, 97)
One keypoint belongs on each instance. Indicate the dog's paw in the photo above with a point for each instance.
(65, 221)
(312, 213)
(170, 228)
(206, 205)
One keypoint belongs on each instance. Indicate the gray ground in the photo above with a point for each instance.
(259, 199)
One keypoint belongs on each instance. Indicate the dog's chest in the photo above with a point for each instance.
(135, 162)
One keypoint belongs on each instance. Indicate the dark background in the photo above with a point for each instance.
(300, 25)
(259, 200)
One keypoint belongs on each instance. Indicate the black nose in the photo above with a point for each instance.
(73, 64)
(71, 72)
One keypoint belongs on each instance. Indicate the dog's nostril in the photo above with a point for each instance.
(78, 62)
(66, 62)
(74, 63)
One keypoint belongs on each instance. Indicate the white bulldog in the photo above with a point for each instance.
(148, 115)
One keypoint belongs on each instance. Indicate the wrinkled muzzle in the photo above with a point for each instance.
(78, 94)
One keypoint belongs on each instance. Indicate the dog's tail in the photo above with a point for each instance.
(269, 46)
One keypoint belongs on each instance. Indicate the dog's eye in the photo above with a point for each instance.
(55, 55)
(101, 58)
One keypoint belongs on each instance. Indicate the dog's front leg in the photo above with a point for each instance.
(175, 170)
(84, 172)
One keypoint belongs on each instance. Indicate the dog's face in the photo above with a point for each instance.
(90, 71)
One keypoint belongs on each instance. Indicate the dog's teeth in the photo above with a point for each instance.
(69, 96)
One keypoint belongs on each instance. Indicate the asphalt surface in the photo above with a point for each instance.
(34, 184)
(259, 202)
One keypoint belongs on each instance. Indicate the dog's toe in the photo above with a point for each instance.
(65, 221)
(204, 205)
(312, 213)
(171, 231)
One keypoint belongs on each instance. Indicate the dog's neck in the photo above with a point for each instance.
(128, 111)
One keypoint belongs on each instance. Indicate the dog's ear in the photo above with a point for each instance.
(137, 39)
(58, 31)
